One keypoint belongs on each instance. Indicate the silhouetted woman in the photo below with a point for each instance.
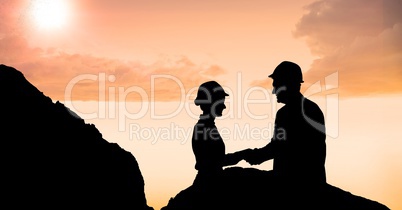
(207, 143)
(209, 151)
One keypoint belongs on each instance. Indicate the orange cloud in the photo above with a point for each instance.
(266, 83)
(360, 39)
(214, 70)
(54, 72)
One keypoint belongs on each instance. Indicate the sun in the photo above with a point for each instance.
(50, 14)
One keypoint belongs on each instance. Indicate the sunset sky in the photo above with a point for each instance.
(131, 67)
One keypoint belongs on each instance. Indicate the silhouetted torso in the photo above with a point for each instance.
(208, 147)
(298, 144)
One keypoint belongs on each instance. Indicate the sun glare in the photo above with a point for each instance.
(49, 14)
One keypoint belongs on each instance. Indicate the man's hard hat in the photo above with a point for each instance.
(209, 92)
(288, 71)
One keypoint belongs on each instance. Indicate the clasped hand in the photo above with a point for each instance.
(249, 155)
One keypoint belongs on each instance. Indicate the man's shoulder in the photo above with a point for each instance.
(312, 109)
(310, 104)
(307, 105)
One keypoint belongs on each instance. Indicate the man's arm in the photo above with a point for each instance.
(269, 151)
(253, 156)
(259, 155)
(234, 158)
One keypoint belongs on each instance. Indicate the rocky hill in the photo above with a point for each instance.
(250, 188)
(52, 159)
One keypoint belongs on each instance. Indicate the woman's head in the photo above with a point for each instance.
(211, 98)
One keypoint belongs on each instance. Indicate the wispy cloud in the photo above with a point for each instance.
(53, 70)
(360, 39)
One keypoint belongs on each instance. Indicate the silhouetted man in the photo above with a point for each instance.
(298, 146)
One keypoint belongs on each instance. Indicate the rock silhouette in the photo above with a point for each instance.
(52, 159)
(248, 188)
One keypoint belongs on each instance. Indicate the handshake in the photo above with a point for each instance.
(250, 155)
